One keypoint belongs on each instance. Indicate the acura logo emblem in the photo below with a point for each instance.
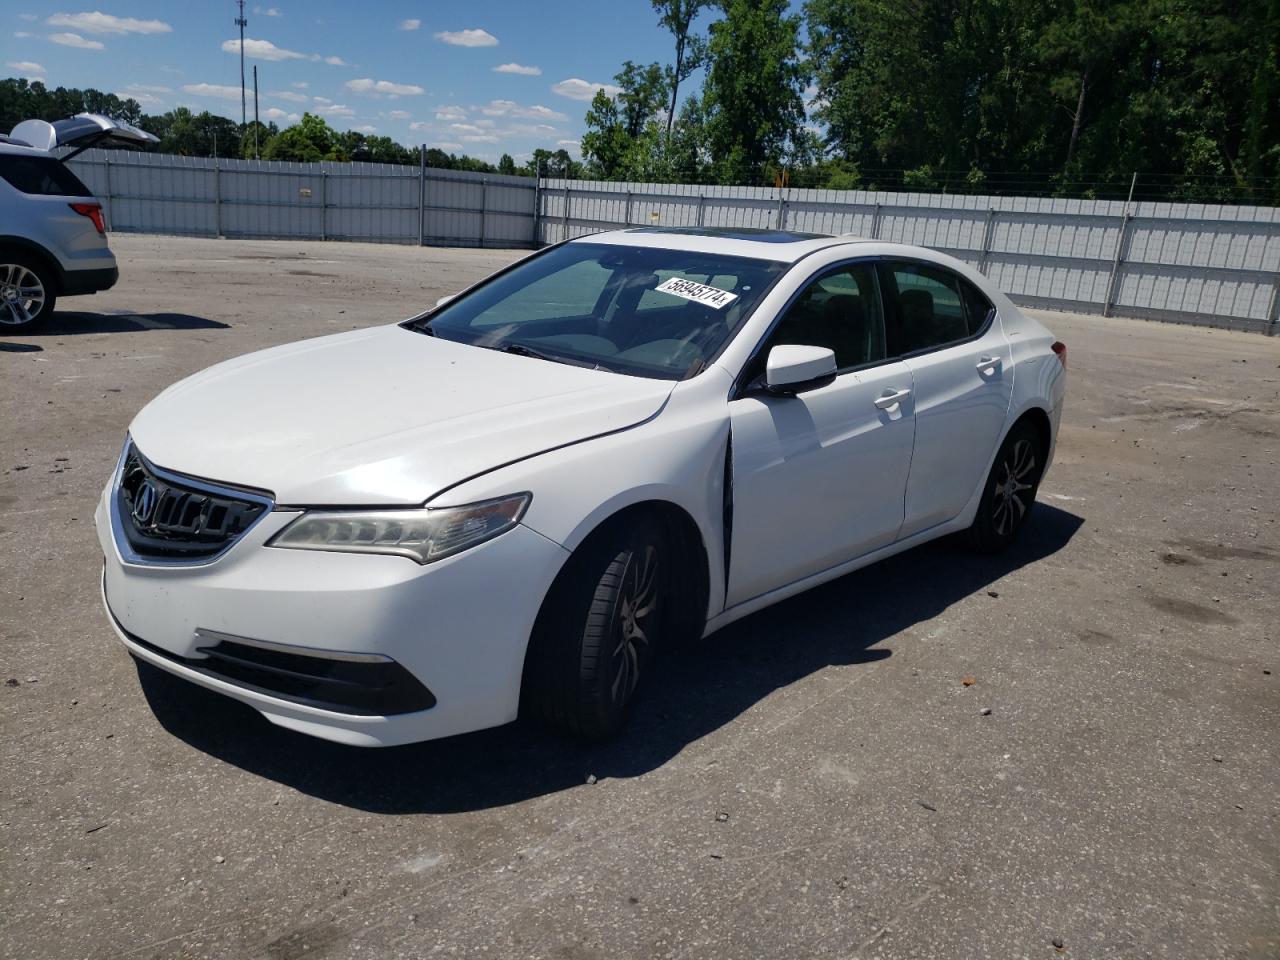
(144, 502)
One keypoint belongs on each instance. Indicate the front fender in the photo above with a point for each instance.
(677, 458)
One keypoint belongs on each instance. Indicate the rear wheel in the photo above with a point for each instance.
(595, 639)
(27, 292)
(1010, 491)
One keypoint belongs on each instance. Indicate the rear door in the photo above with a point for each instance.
(947, 333)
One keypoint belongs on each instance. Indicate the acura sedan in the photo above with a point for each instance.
(515, 501)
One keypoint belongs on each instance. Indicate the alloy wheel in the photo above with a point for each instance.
(22, 294)
(634, 618)
(1014, 487)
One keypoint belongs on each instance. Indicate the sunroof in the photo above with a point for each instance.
(758, 234)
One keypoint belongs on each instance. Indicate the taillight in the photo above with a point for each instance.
(1060, 349)
(94, 212)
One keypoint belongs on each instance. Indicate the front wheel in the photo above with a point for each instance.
(27, 293)
(595, 640)
(1010, 491)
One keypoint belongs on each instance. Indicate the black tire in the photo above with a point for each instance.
(28, 292)
(1010, 491)
(596, 636)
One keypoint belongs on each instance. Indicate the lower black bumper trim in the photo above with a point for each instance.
(76, 282)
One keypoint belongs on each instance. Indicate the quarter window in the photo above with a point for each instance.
(43, 176)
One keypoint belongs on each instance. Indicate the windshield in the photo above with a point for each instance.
(637, 310)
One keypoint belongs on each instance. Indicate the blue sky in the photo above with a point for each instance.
(484, 78)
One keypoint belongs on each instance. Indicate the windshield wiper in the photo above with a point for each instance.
(523, 350)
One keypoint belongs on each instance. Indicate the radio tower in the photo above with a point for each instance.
(241, 22)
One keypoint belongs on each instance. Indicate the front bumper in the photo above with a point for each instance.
(460, 626)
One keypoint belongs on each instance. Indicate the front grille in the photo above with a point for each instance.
(169, 518)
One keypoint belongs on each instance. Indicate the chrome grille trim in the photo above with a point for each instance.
(186, 489)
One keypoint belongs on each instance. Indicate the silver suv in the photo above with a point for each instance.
(53, 241)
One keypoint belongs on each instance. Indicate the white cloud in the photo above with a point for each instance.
(322, 100)
(336, 110)
(366, 128)
(377, 88)
(262, 50)
(411, 24)
(106, 23)
(75, 40)
(518, 68)
(446, 145)
(275, 113)
(291, 95)
(576, 89)
(219, 90)
(468, 38)
(509, 108)
(450, 113)
(479, 138)
(25, 66)
(398, 114)
(22, 34)
(299, 84)
(144, 93)
(465, 128)
(269, 12)
(333, 61)
(569, 144)
(148, 88)
(143, 99)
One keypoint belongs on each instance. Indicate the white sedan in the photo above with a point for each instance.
(517, 499)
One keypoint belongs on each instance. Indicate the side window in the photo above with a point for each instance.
(43, 176)
(976, 306)
(924, 307)
(839, 310)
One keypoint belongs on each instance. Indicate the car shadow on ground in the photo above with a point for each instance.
(71, 323)
(698, 690)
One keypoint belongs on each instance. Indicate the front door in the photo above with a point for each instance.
(819, 478)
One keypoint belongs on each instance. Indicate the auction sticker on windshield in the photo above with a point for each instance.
(713, 297)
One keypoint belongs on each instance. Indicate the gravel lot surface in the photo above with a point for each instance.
(814, 781)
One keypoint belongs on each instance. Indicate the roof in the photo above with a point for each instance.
(756, 244)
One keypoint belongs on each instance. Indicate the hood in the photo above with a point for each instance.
(379, 416)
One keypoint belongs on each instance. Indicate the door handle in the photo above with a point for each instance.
(988, 365)
(891, 398)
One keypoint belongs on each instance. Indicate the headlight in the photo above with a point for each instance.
(423, 535)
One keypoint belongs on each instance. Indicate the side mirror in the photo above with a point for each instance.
(792, 369)
(445, 299)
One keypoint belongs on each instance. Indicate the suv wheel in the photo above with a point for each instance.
(27, 292)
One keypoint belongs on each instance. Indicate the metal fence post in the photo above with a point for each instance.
(324, 205)
(1115, 264)
(107, 195)
(988, 232)
(537, 204)
(626, 217)
(875, 223)
(702, 202)
(484, 206)
(566, 210)
(422, 194)
(217, 200)
(781, 216)
(1273, 311)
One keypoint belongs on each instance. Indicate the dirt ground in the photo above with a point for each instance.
(814, 781)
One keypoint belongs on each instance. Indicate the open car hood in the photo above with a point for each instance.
(84, 130)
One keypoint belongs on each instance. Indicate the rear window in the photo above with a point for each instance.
(42, 176)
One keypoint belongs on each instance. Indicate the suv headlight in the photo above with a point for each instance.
(423, 534)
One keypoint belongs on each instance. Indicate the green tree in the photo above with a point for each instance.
(507, 164)
(678, 16)
(753, 89)
(307, 141)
